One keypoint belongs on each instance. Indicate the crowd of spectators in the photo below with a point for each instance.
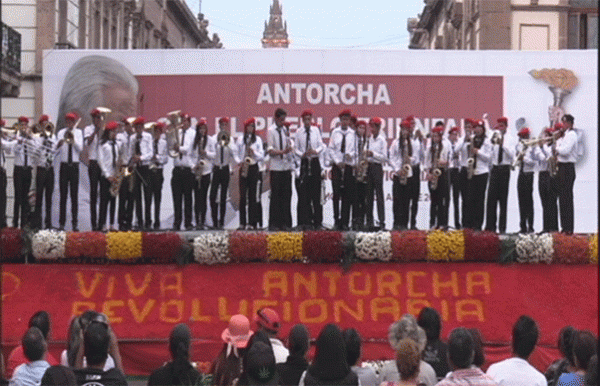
(259, 357)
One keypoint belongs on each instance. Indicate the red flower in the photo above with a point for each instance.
(160, 248)
(481, 246)
(409, 246)
(570, 249)
(79, 245)
(248, 246)
(323, 246)
(11, 242)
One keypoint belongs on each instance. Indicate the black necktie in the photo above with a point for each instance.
(156, 146)
(70, 155)
(47, 146)
(2, 159)
(343, 149)
(308, 138)
(501, 151)
(138, 150)
(25, 147)
(222, 155)
(114, 155)
(280, 140)
(182, 142)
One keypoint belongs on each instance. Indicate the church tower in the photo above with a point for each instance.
(275, 34)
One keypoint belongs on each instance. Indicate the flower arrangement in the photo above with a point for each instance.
(80, 245)
(409, 246)
(124, 246)
(248, 246)
(160, 248)
(349, 250)
(532, 248)
(445, 246)
(48, 244)
(593, 249)
(570, 249)
(284, 246)
(373, 246)
(11, 242)
(481, 246)
(212, 248)
(323, 246)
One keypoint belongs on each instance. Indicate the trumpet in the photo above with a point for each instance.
(69, 137)
(223, 138)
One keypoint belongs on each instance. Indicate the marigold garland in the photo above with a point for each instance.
(323, 246)
(124, 246)
(570, 249)
(532, 248)
(285, 246)
(593, 254)
(85, 245)
(160, 248)
(212, 248)
(373, 246)
(445, 246)
(248, 246)
(481, 246)
(11, 240)
(48, 244)
(409, 246)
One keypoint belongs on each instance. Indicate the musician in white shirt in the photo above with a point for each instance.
(436, 164)
(376, 151)
(70, 144)
(182, 179)
(45, 146)
(224, 160)
(6, 147)
(546, 185)
(526, 166)
(280, 150)
(108, 159)
(202, 153)
(414, 182)
(22, 172)
(401, 155)
(250, 153)
(566, 150)
(123, 139)
(140, 148)
(454, 168)
(360, 202)
(91, 135)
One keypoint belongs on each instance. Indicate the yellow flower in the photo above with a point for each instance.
(594, 248)
(445, 246)
(123, 245)
(284, 246)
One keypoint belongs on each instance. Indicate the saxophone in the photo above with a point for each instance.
(436, 171)
(471, 159)
(198, 169)
(553, 161)
(363, 164)
(123, 171)
(247, 160)
(406, 170)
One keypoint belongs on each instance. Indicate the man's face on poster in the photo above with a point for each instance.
(121, 101)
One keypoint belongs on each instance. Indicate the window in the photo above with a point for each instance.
(583, 30)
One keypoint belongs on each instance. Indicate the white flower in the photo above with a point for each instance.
(48, 244)
(212, 248)
(534, 249)
(372, 246)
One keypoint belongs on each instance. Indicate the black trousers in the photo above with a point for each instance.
(548, 196)
(414, 184)
(456, 187)
(248, 205)
(69, 184)
(106, 200)
(497, 194)
(125, 195)
(465, 185)
(360, 206)
(21, 183)
(344, 191)
(310, 210)
(565, 180)
(259, 199)
(2, 197)
(147, 191)
(400, 193)
(475, 201)
(525, 192)
(44, 187)
(375, 192)
(94, 173)
(182, 182)
(440, 197)
(155, 180)
(280, 212)
(135, 201)
(200, 197)
(220, 179)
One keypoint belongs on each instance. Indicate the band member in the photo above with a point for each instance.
(202, 154)
(342, 145)
(565, 150)
(126, 187)
(547, 185)
(6, 147)
(454, 171)
(479, 152)
(44, 180)
(155, 175)
(280, 151)
(91, 135)
(414, 182)
(361, 176)
(23, 162)
(526, 162)
(376, 152)
(250, 152)
(224, 160)
(140, 149)
(70, 144)
(262, 169)
(436, 163)
(309, 146)
(401, 156)
(108, 158)
(182, 180)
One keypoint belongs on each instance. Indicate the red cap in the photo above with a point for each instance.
(454, 129)
(410, 118)
(2, 122)
(44, 117)
(375, 121)
(306, 112)
(502, 120)
(160, 125)
(470, 121)
(405, 124)
(345, 112)
(267, 318)
(438, 129)
(112, 125)
(287, 124)
(549, 130)
(201, 122)
(223, 120)
(361, 122)
(184, 116)
(479, 123)
(249, 121)
(559, 126)
(139, 121)
(71, 117)
(23, 119)
(524, 132)
(95, 113)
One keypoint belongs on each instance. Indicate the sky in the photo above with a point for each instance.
(313, 24)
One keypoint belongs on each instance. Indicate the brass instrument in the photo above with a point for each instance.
(47, 130)
(10, 133)
(69, 137)
(223, 138)
(553, 161)
(362, 167)
(248, 160)
(173, 141)
(198, 169)
(406, 169)
(496, 138)
(123, 172)
(436, 171)
(471, 159)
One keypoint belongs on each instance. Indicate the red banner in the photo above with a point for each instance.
(145, 302)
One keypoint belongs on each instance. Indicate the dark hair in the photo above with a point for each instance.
(298, 339)
(429, 320)
(280, 113)
(524, 337)
(353, 343)
(408, 358)
(585, 345)
(478, 353)
(95, 343)
(198, 137)
(41, 320)
(460, 348)
(569, 118)
(439, 123)
(591, 375)
(58, 376)
(179, 346)
(33, 343)
(565, 343)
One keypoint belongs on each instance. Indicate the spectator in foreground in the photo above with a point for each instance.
(259, 366)
(34, 348)
(267, 320)
(227, 366)
(591, 375)
(565, 364)
(407, 327)
(96, 341)
(59, 376)
(353, 342)
(516, 370)
(408, 359)
(329, 366)
(478, 353)
(435, 352)
(585, 345)
(179, 371)
(461, 351)
(296, 363)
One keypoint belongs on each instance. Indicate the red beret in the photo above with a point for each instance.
(375, 121)
(23, 119)
(287, 123)
(139, 121)
(223, 120)
(249, 121)
(44, 117)
(470, 121)
(95, 113)
(549, 130)
(454, 129)
(201, 122)
(361, 122)
(524, 132)
(345, 112)
(184, 116)
(503, 120)
(559, 126)
(410, 118)
(405, 124)
(71, 117)
(160, 125)
(268, 318)
(438, 129)
(306, 112)
(112, 125)
(2, 122)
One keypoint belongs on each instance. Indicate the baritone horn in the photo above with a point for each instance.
(173, 142)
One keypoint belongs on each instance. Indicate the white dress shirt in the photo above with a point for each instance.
(24, 147)
(6, 148)
(106, 158)
(335, 146)
(46, 150)
(316, 142)
(483, 156)
(209, 148)
(160, 151)
(145, 140)
(444, 156)
(378, 146)
(541, 155)
(93, 148)
(508, 154)
(256, 146)
(529, 160)
(516, 372)
(396, 158)
(455, 154)
(63, 152)
(229, 152)
(278, 139)
(566, 147)
(186, 141)
(123, 140)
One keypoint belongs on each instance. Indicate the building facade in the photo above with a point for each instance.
(505, 25)
(275, 34)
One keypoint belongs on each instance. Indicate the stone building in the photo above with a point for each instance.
(275, 34)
